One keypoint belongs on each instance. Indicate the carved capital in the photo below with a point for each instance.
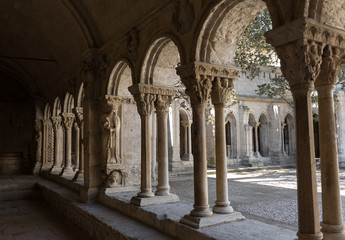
(301, 62)
(198, 78)
(221, 89)
(79, 115)
(331, 61)
(117, 100)
(68, 119)
(162, 105)
(56, 122)
(145, 95)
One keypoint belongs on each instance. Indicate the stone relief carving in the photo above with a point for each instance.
(68, 119)
(162, 105)
(133, 43)
(111, 124)
(115, 179)
(145, 95)
(198, 78)
(183, 16)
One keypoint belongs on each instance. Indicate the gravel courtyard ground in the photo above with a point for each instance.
(266, 195)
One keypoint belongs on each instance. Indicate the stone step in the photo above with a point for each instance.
(99, 221)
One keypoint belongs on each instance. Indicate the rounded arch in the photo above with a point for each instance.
(288, 138)
(56, 107)
(263, 139)
(161, 59)
(81, 95)
(47, 112)
(222, 28)
(120, 79)
(68, 103)
(231, 135)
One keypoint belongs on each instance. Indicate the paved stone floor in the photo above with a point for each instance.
(267, 195)
(33, 219)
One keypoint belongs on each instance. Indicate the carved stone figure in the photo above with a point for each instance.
(111, 135)
(114, 179)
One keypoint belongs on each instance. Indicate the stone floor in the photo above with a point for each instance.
(33, 219)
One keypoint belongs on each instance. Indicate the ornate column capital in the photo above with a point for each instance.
(145, 95)
(79, 115)
(299, 46)
(68, 119)
(56, 122)
(162, 104)
(221, 89)
(198, 78)
(331, 60)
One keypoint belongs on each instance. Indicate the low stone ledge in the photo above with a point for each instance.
(215, 219)
(63, 180)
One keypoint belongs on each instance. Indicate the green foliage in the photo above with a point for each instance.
(253, 51)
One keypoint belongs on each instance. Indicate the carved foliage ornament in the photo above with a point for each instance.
(56, 122)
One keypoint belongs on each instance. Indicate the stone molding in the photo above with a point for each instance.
(198, 78)
(306, 29)
(113, 100)
(68, 119)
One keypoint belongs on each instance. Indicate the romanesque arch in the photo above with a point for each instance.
(231, 135)
(263, 136)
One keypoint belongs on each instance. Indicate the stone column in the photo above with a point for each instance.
(77, 145)
(190, 140)
(300, 63)
(257, 152)
(145, 101)
(198, 87)
(79, 120)
(162, 109)
(68, 119)
(249, 134)
(220, 91)
(57, 158)
(332, 224)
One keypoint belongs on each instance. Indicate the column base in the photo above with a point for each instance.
(142, 202)
(89, 195)
(333, 232)
(309, 236)
(222, 209)
(215, 219)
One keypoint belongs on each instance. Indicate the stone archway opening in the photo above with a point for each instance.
(231, 136)
(263, 139)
